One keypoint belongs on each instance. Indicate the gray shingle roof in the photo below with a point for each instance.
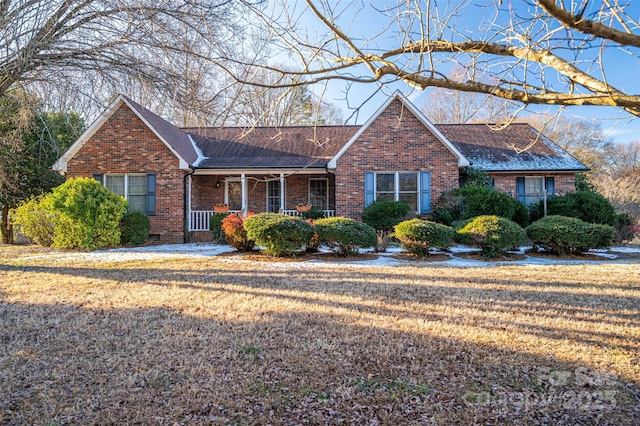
(518, 147)
(270, 147)
(177, 138)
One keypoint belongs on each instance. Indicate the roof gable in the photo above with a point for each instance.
(175, 139)
(462, 161)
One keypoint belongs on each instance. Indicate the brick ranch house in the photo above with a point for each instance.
(176, 175)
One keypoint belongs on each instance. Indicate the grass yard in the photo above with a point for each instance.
(222, 341)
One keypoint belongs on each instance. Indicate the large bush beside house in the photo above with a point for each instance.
(280, 235)
(383, 215)
(419, 236)
(493, 234)
(587, 206)
(472, 201)
(35, 221)
(235, 234)
(134, 228)
(345, 235)
(87, 215)
(80, 213)
(562, 234)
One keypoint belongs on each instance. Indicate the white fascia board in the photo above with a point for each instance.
(462, 161)
(332, 163)
(260, 171)
(61, 164)
(198, 151)
(184, 165)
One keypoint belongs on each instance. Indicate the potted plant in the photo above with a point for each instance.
(303, 207)
(221, 208)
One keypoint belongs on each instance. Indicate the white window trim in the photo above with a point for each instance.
(106, 177)
(326, 205)
(396, 183)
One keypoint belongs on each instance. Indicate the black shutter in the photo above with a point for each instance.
(99, 178)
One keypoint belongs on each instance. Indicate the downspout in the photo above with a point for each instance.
(185, 207)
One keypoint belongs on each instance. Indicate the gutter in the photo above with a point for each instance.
(185, 220)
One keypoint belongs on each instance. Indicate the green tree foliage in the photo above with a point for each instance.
(419, 236)
(493, 234)
(345, 235)
(35, 221)
(30, 142)
(280, 235)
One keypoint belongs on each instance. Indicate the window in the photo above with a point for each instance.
(273, 196)
(234, 194)
(138, 189)
(319, 193)
(531, 189)
(412, 188)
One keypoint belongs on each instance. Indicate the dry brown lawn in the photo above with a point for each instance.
(222, 341)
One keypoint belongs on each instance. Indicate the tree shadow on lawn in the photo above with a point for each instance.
(64, 363)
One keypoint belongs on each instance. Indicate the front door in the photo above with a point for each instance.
(234, 195)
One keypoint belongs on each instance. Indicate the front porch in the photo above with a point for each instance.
(256, 193)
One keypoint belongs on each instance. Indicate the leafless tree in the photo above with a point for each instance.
(534, 52)
(93, 48)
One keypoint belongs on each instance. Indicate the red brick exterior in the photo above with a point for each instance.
(563, 183)
(124, 144)
(395, 141)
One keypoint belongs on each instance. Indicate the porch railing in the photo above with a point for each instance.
(199, 220)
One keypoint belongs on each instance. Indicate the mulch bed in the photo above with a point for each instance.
(476, 255)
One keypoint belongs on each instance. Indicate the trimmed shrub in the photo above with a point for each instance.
(312, 214)
(278, 234)
(346, 235)
(418, 236)
(587, 206)
(86, 215)
(481, 201)
(215, 226)
(472, 201)
(134, 228)
(35, 222)
(235, 234)
(493, 234)
(383, 215)
(562, 234)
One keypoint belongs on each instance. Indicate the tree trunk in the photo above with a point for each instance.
(6, 228)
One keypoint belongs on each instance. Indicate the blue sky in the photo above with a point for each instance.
(360, 20)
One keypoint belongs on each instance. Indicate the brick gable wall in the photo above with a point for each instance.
(124, 144)
(395, 141)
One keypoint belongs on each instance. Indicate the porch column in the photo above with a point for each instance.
(282, 207)
(245, 198)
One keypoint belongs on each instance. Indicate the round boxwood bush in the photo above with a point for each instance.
(418, 236)
(493, 234)
(134, 228)
(472, 201)
(312, 214)
(345, 235)
(35, 221)
(562, 234)
(278, 234)
(587, 206)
